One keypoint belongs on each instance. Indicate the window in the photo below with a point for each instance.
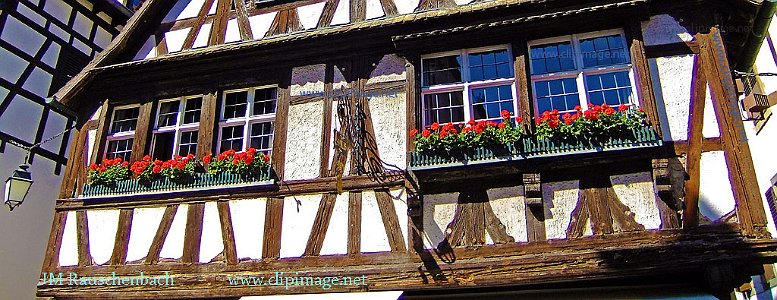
(580, 69)
(471, 84)
(247, 119)
(122, 131)
(176, 127)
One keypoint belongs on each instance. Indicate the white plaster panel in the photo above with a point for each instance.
(636, 191)
(462, 2)
(438, 213)
(342, 13)
(38, 82)
(299, 212)
(248, 224)
(374, 9)
(336, 239)
(710, 126)
(374, 237)
(715, 195)
(30, 14)
(13, 66)
(304, 140)
(674, 75)
(68, 250)
(58, 9)
(52, 55)
(145, 222)
(508, 206)
(309, 14)
(560, 199)
(764, 63)
(233, 32)
(91, 136)
(102, 233)
(175, 39)
(406, 6)
(22, 37)
(390, 68)
(762, 147)
(203, 36)
(16, 118)
(105, 17)
(400, 205)
(388, 121)
(307, 79)
(664, 29)
(147, 50)
(260, 24)
(211, 243)
(83, 25)
(173, 246)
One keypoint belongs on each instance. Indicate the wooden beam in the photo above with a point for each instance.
(161, 234)
(354, 222)
(328, 13)
(750, 210)
(161, 43)
(227, 233)
(389, 8)
(281, 126)
(644, 81)
(102, 132)
(496, 230)
(326, 128)
(82, 232)
(390, 221)
(188, 43)
(72, 169)
(672, 49)
(252, 11)
(522, 85)
(121, 242)
(320, 224)
(143, 131)
(695, 141)
(219, 29)
(358, 11)
(667, 202)
(51, 259)
(193, 235)
(273, 223)
(707, 145)
(207, 129)
(242, 20)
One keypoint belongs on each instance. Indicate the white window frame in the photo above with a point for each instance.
(580, 72)
(247, 120)
(122, 135)
(465, 86)
(179, 128)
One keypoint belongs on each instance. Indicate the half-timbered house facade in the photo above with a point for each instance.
(328, 92)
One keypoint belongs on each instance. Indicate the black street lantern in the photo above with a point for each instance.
(17, 186)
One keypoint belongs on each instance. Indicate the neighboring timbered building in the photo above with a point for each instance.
(329, 90)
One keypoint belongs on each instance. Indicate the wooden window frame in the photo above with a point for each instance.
(179, 128)
(247, 119)
(465, 86)
(580, 72)
(123, 135)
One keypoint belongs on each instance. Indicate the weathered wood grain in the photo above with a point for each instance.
(121, 242)
(320, 225)
(695, 141)
(197, 26)
(354, 222)
(390, 221)
(82, 234)
(227, 232)
(193, 234)
(273, 223)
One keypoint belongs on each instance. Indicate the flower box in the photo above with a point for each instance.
(419, 160)
(199, 181)
(638, 137)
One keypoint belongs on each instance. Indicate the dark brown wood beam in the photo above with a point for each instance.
(695, 142)
(320, 225)
(273, 223)
(281, 126)
(193, 235)
(161, 234)
(390, 221)
(102, 132)
(207, 130)
(219, 29)
(188, 43)
(51, 259)
(639, 61)
(522, 85)
(326, 128)
(82, 233)
(354, 222)
(227, 232)
(145, 123)
(121, 243)
(242, 20)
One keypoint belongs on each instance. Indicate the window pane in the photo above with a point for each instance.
(124, 120)
(231, 138)
(168, 113)
(604, 51)
(611, 88)
(490, 65)
(163, 145)
(261, 136)
(441, 70)
(119, 148)
(192, 110)
(495, 99)
(551, 58)
(235, 104)
(264, 101)
(444, 107)
(558, 94)
(187, 143)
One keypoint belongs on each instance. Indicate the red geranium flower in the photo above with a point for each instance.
(425, 133)
(518, 119)
(623, 107)
(435, 126)
(249, 159)
(93, 167)
(413, 132)
(156, 169)
(206, 159)
(505, 114)
(501, 125)
(266, 158)
(146, 158)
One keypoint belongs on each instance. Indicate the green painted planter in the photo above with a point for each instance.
(478, 155)
(200, 181)
(528, 148)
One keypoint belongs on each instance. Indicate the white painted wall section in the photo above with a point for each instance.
(636, 191)
(299, 212)
(715, 195)
(248, 224)
(664, 29)
(68, 250)
(674, 76)
(560, 200)
(211, 243)
(102, 233)
(336, 239)
(173, 246)
(406, 6)
(260, 24)
(145, 223)
(508, 205)
(309, 14)
(439, 210)
(374, 237)
(303, 141)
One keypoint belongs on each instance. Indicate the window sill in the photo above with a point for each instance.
(200, 182)
(529, 149)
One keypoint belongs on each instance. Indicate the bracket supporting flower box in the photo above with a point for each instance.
(532, 190)
(200, 182)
